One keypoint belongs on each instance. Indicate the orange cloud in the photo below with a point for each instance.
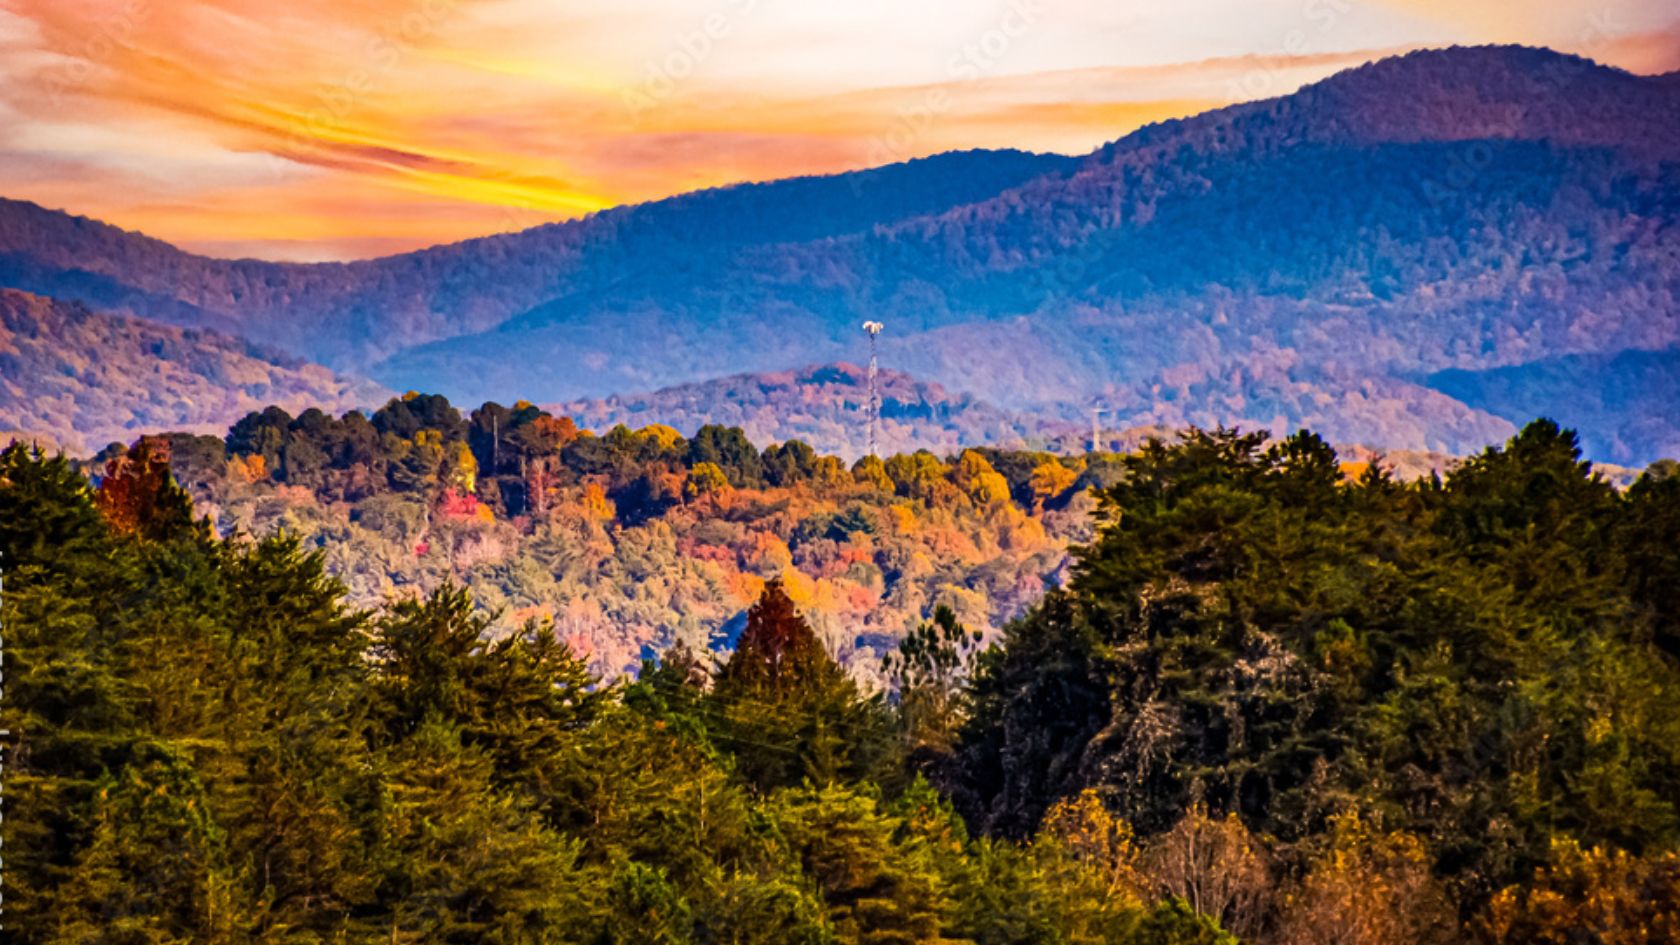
(334, 128)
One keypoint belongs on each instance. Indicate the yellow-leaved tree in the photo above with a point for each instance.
(1368, 887)
(1591, 895)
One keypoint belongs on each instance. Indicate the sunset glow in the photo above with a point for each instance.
(319, 129)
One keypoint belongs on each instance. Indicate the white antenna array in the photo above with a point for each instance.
(874, 330)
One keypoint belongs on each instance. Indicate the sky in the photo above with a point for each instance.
(337, 129)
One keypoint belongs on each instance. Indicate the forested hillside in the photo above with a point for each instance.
(632, 540)
(1297, 261)
(1316, 260)
(1273, 705)
(1623, 404)
(83, 379)
(350, 314)
(826, 406)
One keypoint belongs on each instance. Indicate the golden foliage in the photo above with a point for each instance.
(904, 519)
(1368, 888)
(1050, 479)
(978, 480)
(247, 469)
(463, 469)
(917, 475)
(1591, 896)
(1089, 833)
(596, 503)
(660, 435)
(800, 588)
(828, 471)
(744, 588)
(705, 479)
(870, 471)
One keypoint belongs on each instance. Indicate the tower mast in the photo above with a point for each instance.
(874, 330)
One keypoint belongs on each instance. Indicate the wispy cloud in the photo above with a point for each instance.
(329, 128)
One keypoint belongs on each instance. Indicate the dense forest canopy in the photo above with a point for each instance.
(633, 540)
(1488, 662)
(1274, 703)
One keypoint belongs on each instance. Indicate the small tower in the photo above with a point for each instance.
(873, 329)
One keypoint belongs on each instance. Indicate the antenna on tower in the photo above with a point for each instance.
(1096, 427)
(873, 329)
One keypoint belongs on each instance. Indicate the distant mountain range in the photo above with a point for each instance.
(76, 379)
(1417, 254)
(351, 315)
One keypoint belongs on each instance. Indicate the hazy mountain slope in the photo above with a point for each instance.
(1342, 255)
(1624, 404)
(1469, 208)
(1294, 260)
(348, 313)
(826, 406)
(86, 378)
